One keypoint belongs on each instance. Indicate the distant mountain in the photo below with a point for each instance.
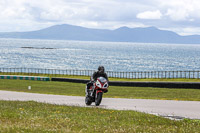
(123, 34)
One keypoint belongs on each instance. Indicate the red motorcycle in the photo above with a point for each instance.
(96, 91)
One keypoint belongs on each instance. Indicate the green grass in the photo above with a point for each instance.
(36, 117)
(154, 93)
(77, 89)
(44, 87)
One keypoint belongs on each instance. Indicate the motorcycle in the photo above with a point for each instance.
(95, 92)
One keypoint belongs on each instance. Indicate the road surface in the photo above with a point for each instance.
(165, 108)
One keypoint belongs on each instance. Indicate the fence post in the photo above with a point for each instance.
(180, 74)
(176, 73)
(189, 74)
(131, 75)
(193, 74)
(157, 74)
(185, 74)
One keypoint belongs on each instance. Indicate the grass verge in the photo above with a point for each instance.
(78, 89)
(111, 79)
(36, 117)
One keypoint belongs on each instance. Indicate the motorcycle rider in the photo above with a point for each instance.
(99, 73)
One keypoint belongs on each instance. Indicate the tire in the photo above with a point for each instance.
(98, 98)
(88, 101)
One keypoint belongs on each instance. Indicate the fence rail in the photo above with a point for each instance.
(129, 75)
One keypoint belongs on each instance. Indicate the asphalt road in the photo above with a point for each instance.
(166, 108)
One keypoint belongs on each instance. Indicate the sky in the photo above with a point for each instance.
(180, 16)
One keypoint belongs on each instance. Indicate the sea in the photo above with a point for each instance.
(88, 55)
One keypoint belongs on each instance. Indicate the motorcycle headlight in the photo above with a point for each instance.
(105, 86)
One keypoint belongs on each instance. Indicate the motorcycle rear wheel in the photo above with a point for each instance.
(98, 98)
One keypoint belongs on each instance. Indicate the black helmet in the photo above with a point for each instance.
(101, 69)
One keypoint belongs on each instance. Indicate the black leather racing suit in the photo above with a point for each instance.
(98, 74)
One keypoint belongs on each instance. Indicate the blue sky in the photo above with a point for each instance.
(180, 16)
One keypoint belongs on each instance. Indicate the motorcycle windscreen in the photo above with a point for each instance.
(102, 79)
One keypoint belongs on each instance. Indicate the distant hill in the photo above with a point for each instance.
(123, 34)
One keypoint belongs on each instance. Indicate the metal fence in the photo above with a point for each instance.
(38, 71)
(156, 74)
(129, 75)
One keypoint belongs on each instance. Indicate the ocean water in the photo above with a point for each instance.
(85, 55)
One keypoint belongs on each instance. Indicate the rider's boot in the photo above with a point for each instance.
(88, 90)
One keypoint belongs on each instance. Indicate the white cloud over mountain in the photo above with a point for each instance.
(26, 15)
(150, 15)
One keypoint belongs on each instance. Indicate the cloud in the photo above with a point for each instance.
(150, 15)
(181, 10)
(177, 14)
(13, 11)
(190, 31)
(26, 15)
(88, 13)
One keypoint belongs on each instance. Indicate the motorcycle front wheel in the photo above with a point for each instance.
(98, 98)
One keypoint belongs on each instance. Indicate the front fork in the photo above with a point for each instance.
(92, 92)
(97, 91)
